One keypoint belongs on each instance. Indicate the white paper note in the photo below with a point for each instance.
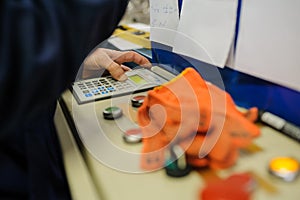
(122, 44)
(206, 30)
(164, 18)
(269, 41)
(140, 26)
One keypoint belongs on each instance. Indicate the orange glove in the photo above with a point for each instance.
(199, 117)
(235, 187)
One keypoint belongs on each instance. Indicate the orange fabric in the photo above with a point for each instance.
(235, 187)
(199, 117)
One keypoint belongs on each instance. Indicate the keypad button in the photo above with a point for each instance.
(88, 95)
(110, 88)
(95, 91)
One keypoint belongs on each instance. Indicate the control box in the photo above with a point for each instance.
(139, 79)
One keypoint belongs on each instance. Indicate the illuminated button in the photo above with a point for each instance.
(113, 112)
(284, 167)
(137, 101)
(133, 135)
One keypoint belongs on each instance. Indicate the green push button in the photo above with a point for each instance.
(112, 112)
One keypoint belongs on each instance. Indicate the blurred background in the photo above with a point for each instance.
(137, 12)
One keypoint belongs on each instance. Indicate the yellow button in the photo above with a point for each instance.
(284, 167)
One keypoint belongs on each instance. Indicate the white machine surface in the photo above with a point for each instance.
(101, 165)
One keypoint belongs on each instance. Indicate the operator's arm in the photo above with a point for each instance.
(42, 45)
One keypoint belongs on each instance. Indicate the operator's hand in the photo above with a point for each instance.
(199, 117)
(112, 60)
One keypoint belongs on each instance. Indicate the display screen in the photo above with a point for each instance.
(137, 79)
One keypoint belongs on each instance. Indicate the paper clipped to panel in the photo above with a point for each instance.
(206, 30)
(164, 18)
(268, 43)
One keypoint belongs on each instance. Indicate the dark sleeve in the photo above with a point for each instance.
(42, 44)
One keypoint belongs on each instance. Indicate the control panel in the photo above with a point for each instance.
(140, 79)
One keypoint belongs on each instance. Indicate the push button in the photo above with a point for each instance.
(113, 112)
(137, 101)
(133, 135)
(284, 167)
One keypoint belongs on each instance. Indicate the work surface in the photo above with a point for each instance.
(101, 166)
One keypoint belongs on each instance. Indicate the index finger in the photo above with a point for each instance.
(131, 56)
